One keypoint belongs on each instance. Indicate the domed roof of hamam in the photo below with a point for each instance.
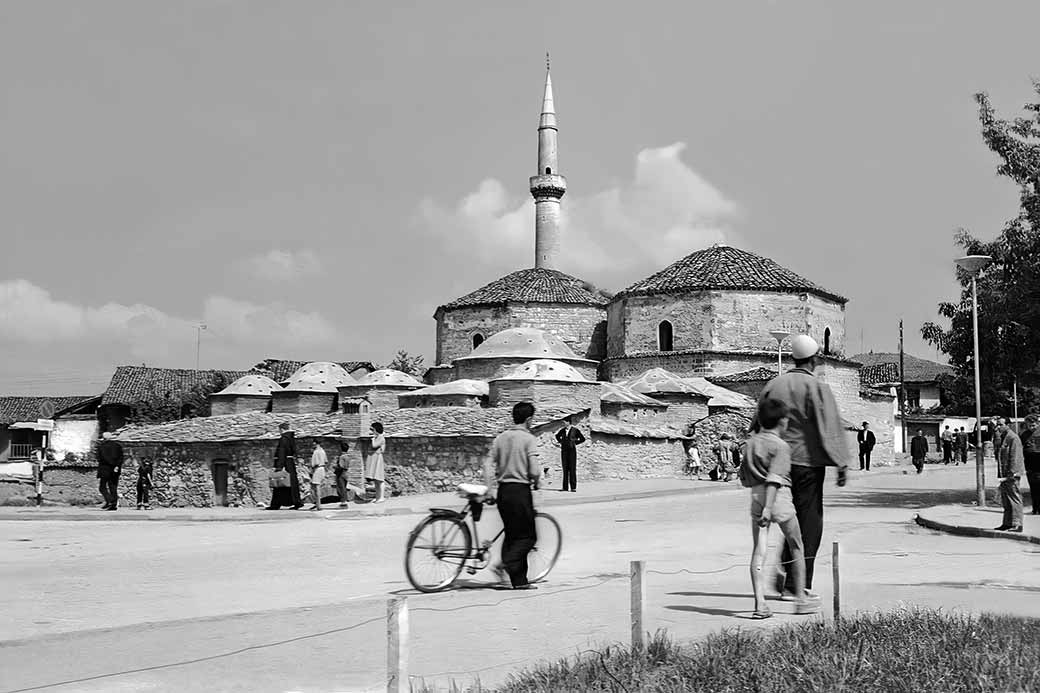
(319, 376)
(546, 369)
(723, 267)
(523, 342)
(251, 385)
(389, 376)
(463, 386)
(533, 285)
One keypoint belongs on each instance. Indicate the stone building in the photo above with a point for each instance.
(249, 393)
(381, 388)
(457, 393)
(314, 388)
(502, 352)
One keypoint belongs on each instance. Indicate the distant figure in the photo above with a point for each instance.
(374, 467)
(38, 465)
(693, 460)
(867, 441)
(110, 464)
(285, 460)
(1031, 452)
(569, 439)
(342, 467)
(144, 483)
(724, 451)
(1010, 466)
(317, 476)
(766, 470)
(918, 450)
(947, 445)
(962, 445)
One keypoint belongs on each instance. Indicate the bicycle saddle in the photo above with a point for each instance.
(467, 490)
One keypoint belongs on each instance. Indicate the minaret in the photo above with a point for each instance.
(548, 186)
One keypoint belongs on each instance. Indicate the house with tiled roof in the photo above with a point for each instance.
(922, 378)
(55, 423)
(173, 392)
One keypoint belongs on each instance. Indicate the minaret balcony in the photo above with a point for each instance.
(548, 186)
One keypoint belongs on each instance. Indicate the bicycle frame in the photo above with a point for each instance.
(478, 554)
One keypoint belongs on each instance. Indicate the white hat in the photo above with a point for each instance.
(803, 346)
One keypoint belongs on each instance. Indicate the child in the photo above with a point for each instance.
(342, 467)
(144, 483)
(318, 461)
(766, 469)
(693, 461)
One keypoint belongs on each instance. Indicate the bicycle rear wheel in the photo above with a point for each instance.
(547, 547)
(437, 551)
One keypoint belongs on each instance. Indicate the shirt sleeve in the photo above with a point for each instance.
(491, 466)
(779, 465)
(534, 469)
(828, 423)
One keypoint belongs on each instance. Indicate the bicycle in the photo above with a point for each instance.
(452, 547)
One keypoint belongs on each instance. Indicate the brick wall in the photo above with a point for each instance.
(491, 368)
(583, 328)
(506, 393)
(721, 320)
(303, 402)
(682, 409)
(697, 364)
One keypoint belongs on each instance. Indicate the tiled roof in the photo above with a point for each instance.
(658, 380)
(875, 392)
(216, 429)
(722, 267)
(438, 422)
(636, 430)
(280, 370)
(915, 370)
(535, 285)
(720, 396)
(133, 384)
(15, 409)
(618, 393)
(753, 375)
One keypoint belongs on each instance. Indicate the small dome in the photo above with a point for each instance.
(319, 376)
(620, 394)
(251, 385)
(660, 380)
(465, 386)
(523, 342)
(546, 369)
(388, 376)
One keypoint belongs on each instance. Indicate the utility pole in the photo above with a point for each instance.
(198, 342)
(902, 388)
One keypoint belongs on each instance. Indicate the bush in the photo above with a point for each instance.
(916, 650)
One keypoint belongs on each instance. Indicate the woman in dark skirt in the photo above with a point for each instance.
(285, 458)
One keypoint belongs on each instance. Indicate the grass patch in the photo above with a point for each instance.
(913, 650)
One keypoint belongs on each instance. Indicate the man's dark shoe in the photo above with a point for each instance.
(1002, 528)
(111, 507)
(1015, 529)
(528, 586)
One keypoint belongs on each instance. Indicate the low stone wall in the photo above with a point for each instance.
(624, 457)
(71, 485)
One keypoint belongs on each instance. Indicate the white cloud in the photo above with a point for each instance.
(665, 212)
(283, 265)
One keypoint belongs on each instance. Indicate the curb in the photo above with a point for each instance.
(963, 531)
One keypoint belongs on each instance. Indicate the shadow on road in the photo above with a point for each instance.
(708, 610)
(708, 594)
(902, 498)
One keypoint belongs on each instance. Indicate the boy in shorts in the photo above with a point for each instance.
(766, 469)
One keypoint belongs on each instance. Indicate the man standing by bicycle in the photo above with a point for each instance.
(514, 466)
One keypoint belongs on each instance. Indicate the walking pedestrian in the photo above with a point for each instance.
(285, 461)
(724, 450)
(317, 476)
(513, 466)
(569, 438)
(1010, 466)
(144, 483)
(817, 440)
(374, 466)
(766, 470)
(867, 441)
(1031, 452)
(947, 445)
(342, 466)
(693, 460)
(962, 445)
(110, 464)
(918, 450)
(38, 465)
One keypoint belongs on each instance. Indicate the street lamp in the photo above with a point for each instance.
(779, 336)
(973, 264)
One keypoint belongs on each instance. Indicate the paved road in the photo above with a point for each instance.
(266, 606)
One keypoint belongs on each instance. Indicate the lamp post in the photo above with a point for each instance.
(779, 336)
(973, 264)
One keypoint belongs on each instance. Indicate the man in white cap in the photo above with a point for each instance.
(817, 439)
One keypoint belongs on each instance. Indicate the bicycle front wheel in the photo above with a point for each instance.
(438, 549)
(543, 556)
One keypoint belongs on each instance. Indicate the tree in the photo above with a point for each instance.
(1009, 289)
(180, 404)
(412, 365)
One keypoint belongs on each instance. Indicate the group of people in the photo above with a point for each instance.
(727, 454)
(110, 467)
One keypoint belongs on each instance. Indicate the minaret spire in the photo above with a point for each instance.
(548, 186)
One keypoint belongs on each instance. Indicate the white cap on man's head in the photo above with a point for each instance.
(803, 346)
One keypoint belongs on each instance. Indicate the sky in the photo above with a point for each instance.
(310, 180)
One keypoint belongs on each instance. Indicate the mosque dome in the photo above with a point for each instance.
(546, 369)
(389, 376)
(319, 376)
(251, 385)
(523, 342)
(660, 380)
(465, 386)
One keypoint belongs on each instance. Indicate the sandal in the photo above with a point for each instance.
(760, 615)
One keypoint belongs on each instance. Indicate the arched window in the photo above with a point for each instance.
(548, 171)
(827, 341)
(478, 339)
(664, 336)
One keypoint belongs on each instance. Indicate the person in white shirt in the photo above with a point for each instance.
(318, 461)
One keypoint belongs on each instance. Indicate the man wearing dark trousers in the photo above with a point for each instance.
(1010, 467)
(513, 465)
(1031, 450)
(110, 463)
(867, 441)
(817, 440)
(569, 439)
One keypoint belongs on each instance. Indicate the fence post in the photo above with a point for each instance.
(638, 594)
(836, 578)
(397, 645)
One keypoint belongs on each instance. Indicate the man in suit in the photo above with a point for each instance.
(569, 439)
(962, 445)
(867, 441)
(1010, 467)
(919, 450)
(110, 464)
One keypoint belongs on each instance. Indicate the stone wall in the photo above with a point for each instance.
(708, 431)
(633, 413)
(583, 328)
(70, 484)
(303, 402)
(75, 435)
(556, 395)
(682, 409)
(492, 368)
(625, 457)
(689, 365)
(221, 405)
(447, 400)
(380, 398)
(721, 320)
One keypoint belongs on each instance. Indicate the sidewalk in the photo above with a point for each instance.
(972, 521)
(606, 491)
